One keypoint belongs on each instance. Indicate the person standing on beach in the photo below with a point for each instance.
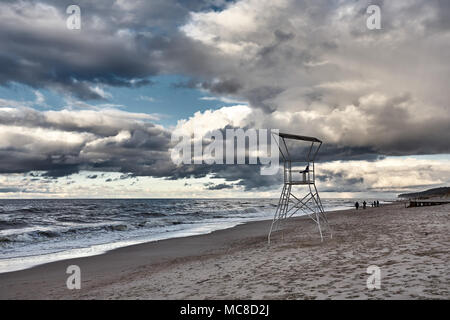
(378, 203)
(364, 204)
(356, 205)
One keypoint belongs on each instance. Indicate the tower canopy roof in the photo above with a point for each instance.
(297, 137)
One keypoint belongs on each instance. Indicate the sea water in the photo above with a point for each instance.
(34, 232)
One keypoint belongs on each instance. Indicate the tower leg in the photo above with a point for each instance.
(323, 212)
(277, 214)
(281, 211)
(310, 204)
(318, 224)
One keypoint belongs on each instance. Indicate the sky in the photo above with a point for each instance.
(90, 113)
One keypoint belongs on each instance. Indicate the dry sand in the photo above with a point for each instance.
(410, 245)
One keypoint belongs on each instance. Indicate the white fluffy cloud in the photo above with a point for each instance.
(314, 68)
(390, 175)
(204, 122)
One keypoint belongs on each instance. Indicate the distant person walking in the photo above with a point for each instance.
(356, 205)
(378, 203)
(364, 204)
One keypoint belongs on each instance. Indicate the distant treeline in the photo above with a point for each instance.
(436, 192)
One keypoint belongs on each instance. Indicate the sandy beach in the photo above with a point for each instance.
(410, 245)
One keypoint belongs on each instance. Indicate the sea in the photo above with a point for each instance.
(34, 232)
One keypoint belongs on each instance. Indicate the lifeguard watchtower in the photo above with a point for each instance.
(299, 172)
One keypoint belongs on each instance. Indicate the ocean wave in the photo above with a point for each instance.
(46, 234)
(13, 224)
(152, 214)
(29, 210)
(73, 219)
(117, 227)
(5, 240)
(65, 224)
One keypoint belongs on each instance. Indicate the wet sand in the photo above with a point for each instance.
(410, 245)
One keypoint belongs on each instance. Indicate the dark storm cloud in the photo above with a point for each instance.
(126, 176)
(333, 152)
(266, 52)
(21, 161)
(44, 63)
(119, 44)
(10, 190)
(59, 170)
(247, 176)
(62, 143)
(221, 186)
(327, 175)
(308, 67)
(340, 181)
(221, 87)
(230, 86)
(262, 97)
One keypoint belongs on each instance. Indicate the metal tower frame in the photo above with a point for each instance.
(289, 204)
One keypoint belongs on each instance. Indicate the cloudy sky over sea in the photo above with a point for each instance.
(90, 112)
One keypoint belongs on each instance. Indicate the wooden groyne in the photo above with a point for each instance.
(425, 202)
